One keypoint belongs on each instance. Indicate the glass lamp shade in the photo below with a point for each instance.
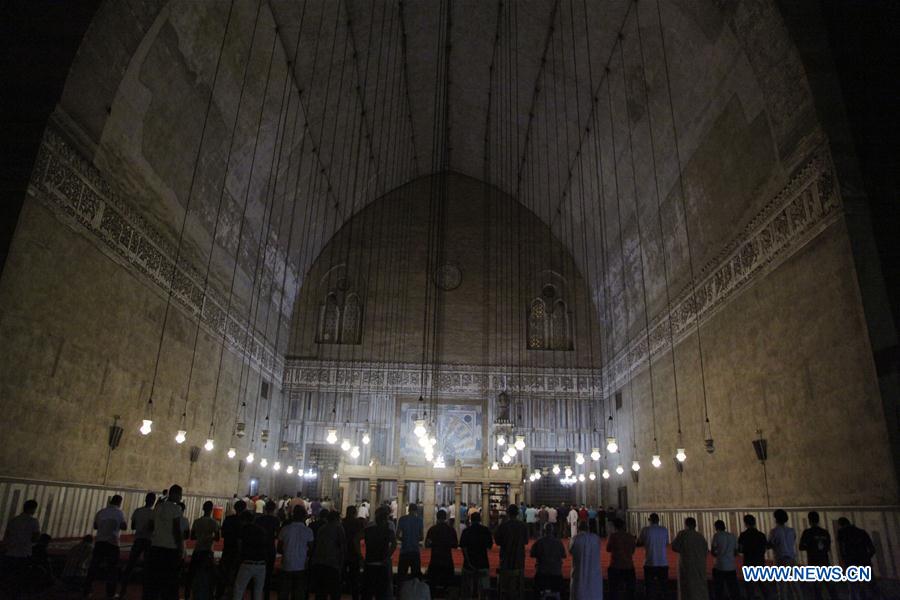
(181, 436)
(366, 439)
(495, 466)
(656, 462)
(620, 469)
(420, 428)
(354, 452)
(595, 454)
(334, 476)
(146, 427)
(537, 474)
(579, 458)
(289, 470)
(249, 458)
(277, 466)
(635, 466)
(592, 476)
(232, 453)
(331, 438)
(605, 473)
(506, 459)
(501, 440)
(511, 451)
(531, 478)
(581, 477)
(209, 445)
(520, 442)
(264, 463)
(568, 471)
(555, 469)
(345, 445)
(611, 445)
(680, 456)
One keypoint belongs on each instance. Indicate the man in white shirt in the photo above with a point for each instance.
(363, 511)
(552, 515)
(572, 520)
(166, 546)
(109, 522)
(140, 524)
(21, 533)
(293, 542)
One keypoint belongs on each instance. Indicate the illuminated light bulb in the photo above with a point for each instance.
(429, 456)
(531, 478)
(592, 476)
(146, 427)
(520, 442)
(366, 439)
(439, 463)
(537, 475)
(232, 453)
(354, 452)
(620, 469)
(501, 440)
(331, 438)
(506, 459)
(635, 466)
(334, 476)
(249, 458)
(345, 445)
(581, 477)
(656, 462)
(432, 441)
(595, 454)
(264, 463)
(555, 469)
(289, 470)
(420, 428)
(568, 471)
(611, 445)
(276, 466)
(423, 441)
(680, 456)
(605, 473)
(579, 458)
(511, 451)
(495, 466)
(209, 445)
(181, 436)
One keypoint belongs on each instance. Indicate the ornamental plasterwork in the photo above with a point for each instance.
(802, 210)
(452, 380)
(77, 193)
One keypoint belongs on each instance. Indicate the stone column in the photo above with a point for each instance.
(485, 503)
(401, 498)
(373, 493)
(428, 504)
(457, 497)
(346, 500)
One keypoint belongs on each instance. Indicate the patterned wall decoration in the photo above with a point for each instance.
(76, 191)
(802, 210)
(458, 433)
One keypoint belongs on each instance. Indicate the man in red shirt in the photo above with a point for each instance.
(621, 545)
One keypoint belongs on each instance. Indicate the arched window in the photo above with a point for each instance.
(559, 326)
(329, 319)
(537, 325)
(350, 324)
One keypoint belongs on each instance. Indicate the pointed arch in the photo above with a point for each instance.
(560, 338)
(537, 325)
(350, 325)
(329, 319)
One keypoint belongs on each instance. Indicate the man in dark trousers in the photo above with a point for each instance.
(228, 564)
(856, 550)
(511, 536)
(475, 542)
(441, 539)
(816, 542)
(752, 545)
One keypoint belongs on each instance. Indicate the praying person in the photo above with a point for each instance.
(410, 530)
(620, 546)
(328, 557)
(475, 542)
(109, 522)
(380, 545)
(654, 538)
(166, 548)
(294, 540)
(587, 578)
(724, 547)
(441, 539)
(252, 555)
(549, 554)
(692, 549)
(140, 525)
(205, 530)
(752, 545)
(511, 536)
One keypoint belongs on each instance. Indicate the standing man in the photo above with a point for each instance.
(364, 511)
(752, 545)
(229, 562)
(549, 554)
(353, 531)
(783, 541)
(294, 540)
(724, 548)
(655, 539)
(441, 539)
(166, 548)
(205, 530)
(621, 546)
(109, 522)
(856, 550)
(816, 542)
(140, 525)
(511, 536)
(587, 578)
(531, 520)
(411, 531)
(572, 520)
(270, 525)
(691, 548)
(552, 516)
(475, 542)
(22, 532)
(252, 558)
(380, 546)
(328, 557)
